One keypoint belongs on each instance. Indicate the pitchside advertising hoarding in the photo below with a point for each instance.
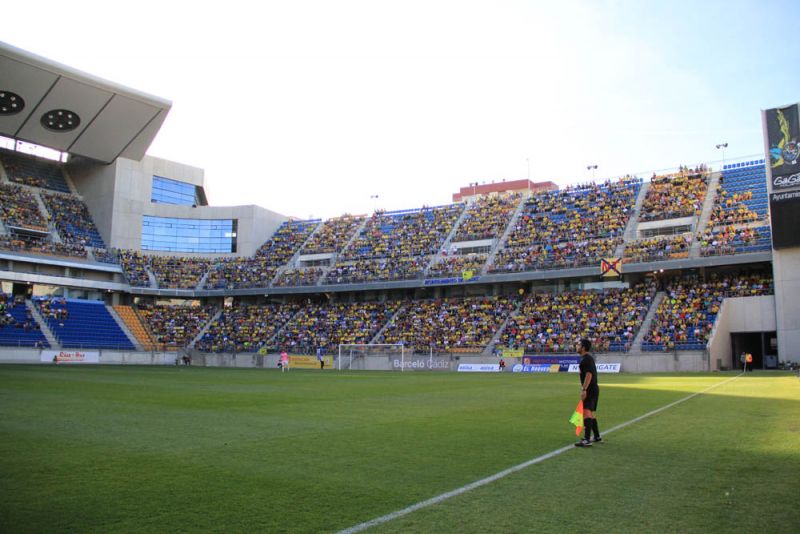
(546, 364)
(65, 356)
(309, 362)
(559, 364)
(420, 364)
(601, 368)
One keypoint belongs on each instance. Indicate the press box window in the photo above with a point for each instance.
(170, 234)
(168, 191)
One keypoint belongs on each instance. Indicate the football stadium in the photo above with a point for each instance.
(169, 364)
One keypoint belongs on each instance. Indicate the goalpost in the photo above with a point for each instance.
(370, 356)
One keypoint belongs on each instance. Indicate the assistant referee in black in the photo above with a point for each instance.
(590, 392)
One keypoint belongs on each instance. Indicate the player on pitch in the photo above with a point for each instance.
(589, 394)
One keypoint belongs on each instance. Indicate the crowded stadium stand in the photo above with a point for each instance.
(487, 217)
(555, 322)
(465, 265)
(395, 245)
(36, 172)
(742, 194)
(246, 328)
(675, 195)
(332, 235)
(454, 325)
(569, 228)
(259, 270)
(72, 220)
(19, 209)
(686, 316)
(507, 269)
(327, 325)
(658, 248)
(175, 327)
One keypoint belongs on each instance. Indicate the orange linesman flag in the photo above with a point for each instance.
(577, 419)
(611, 267)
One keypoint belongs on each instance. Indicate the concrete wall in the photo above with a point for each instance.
(95, 183)
(740, 315)
(118, 196)
(658, 362)
(652, 362)
(786, 270)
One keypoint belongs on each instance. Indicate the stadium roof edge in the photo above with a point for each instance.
(105, 120)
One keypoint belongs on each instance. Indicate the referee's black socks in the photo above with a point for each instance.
(588, 425)
(596, 430)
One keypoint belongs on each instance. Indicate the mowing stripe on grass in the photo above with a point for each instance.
(501, 474)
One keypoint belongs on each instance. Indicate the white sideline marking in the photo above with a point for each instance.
(497, 476)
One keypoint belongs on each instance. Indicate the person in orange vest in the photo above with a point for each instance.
(748, 358)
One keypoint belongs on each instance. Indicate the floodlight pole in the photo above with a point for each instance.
(722, 146)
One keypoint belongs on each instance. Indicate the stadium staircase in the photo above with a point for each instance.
(202, 283)
(705, 215)
(11, 336)
(43, 209)
(68, 180)
(124, 327)
(151, 276)
(45, 328)
(633, 220)
(648, 319)
(335, 258)
(205, 328)
(144, 339)
(291, 264)
(377, 337)
(350, 241)
(502, 239)
(444, 246)
(488, 350)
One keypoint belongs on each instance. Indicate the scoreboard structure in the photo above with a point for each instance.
(782, 149)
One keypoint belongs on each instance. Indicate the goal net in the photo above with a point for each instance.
(370, 357)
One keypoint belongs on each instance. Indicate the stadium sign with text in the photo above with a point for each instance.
(66, 356)
(536, 368)
(421, 364)
(309, 362)
(563, 362)
(478, 368)
(601, 368)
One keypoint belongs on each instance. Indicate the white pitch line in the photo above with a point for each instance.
(497, 476)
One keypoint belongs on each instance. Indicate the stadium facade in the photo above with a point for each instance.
(684, 261)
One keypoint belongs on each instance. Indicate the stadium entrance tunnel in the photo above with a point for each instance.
(762, 345)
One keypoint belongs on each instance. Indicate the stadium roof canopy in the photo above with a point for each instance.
(52, 105)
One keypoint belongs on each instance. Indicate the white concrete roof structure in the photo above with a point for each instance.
(52, 105)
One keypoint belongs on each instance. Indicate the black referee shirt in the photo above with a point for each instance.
(587, 365)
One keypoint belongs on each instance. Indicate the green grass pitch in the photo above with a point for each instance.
(167, 449)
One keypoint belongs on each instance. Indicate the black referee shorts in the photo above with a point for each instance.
(590, 402)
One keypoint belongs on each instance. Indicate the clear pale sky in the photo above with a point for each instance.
(309, 108)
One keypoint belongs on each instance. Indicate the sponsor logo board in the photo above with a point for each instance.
(69, 356)
(601, 368)
(309, 362)
(478, 368)
(419, 364)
